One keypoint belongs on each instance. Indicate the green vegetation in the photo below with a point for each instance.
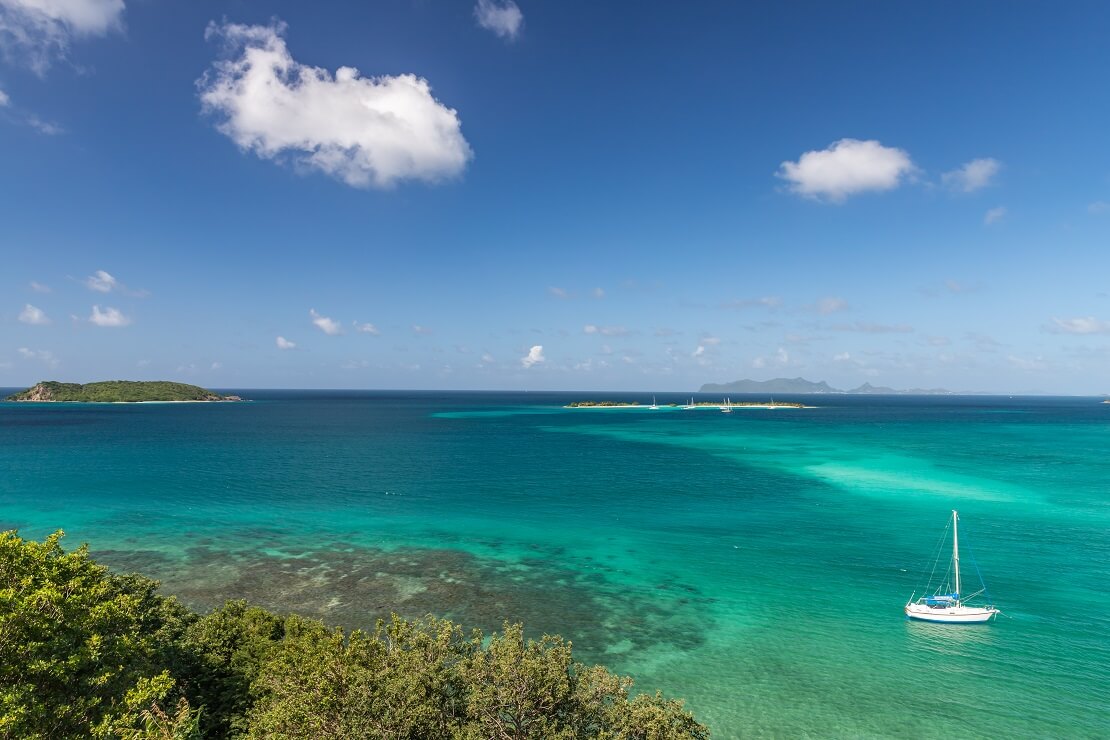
(85, 652)
(593, 404)
(116, 391)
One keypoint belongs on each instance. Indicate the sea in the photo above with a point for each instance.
(755, 563)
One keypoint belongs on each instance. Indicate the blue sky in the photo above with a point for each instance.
(570, 195)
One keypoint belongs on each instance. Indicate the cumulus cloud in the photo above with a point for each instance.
(994, 215)
(283, 343)
(109, 317)
(32, 315)
(101, 282)
(41, 355)
(323, 323)
(39, 287)
(487, 358)
(534, 357)
(366, 328)
(364, 131)
(36, 32)
(104, 282)
(846, 168)
(1081, 325)
(503, 17)
(972, 176)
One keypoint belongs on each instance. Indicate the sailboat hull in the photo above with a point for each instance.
(951, 614)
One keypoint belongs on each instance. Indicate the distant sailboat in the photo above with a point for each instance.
(947, 604)
(654, 405)
(690, 405)
(727, 408)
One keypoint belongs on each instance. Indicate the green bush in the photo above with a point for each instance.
(84, 652)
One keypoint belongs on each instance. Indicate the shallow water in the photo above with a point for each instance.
(754, 562)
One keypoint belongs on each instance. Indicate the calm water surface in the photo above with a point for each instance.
(755, 563)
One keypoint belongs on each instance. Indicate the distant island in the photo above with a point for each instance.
(801, 385)
(118, 391)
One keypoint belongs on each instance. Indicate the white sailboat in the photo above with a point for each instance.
(690, 405)
(947, 603)
(727, 408)
(654, 405)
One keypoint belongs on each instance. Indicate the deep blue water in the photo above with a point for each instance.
(755, 563)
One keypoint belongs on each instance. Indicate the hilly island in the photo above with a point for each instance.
(801, 385)
(118, 391)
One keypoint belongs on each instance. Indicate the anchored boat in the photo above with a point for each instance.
(946, 602)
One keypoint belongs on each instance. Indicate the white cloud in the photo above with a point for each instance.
(503, 17)
(101, 282)
(769, 301)
(994, 215)
(39, 287)
(108, 317)
(598, 293)
(871, 328)
(4, 99)
(32, 315)
(35, 32)
(324, 324)
(780, 358)
(534, 357)
(1082, 325)
(1027, 363)
(217, 365)
(972, 176)
(41, 355)
(44, 127)
(830, 304)
(606, 331)
(847, 167)
(283, 343)
(366, 328)
(418, 329)
(560, 293)
(361, 130)
(487, 358)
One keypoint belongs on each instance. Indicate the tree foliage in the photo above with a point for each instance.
(84, 652)
(115, 391)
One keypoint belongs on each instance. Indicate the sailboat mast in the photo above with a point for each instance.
(956, 550)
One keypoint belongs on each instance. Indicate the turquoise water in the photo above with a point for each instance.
(755, 563)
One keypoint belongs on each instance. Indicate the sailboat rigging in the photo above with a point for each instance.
(946, 603)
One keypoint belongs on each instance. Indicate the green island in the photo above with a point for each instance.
(118, 391)
(85, 652)
(698, 404)
(599, 404)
